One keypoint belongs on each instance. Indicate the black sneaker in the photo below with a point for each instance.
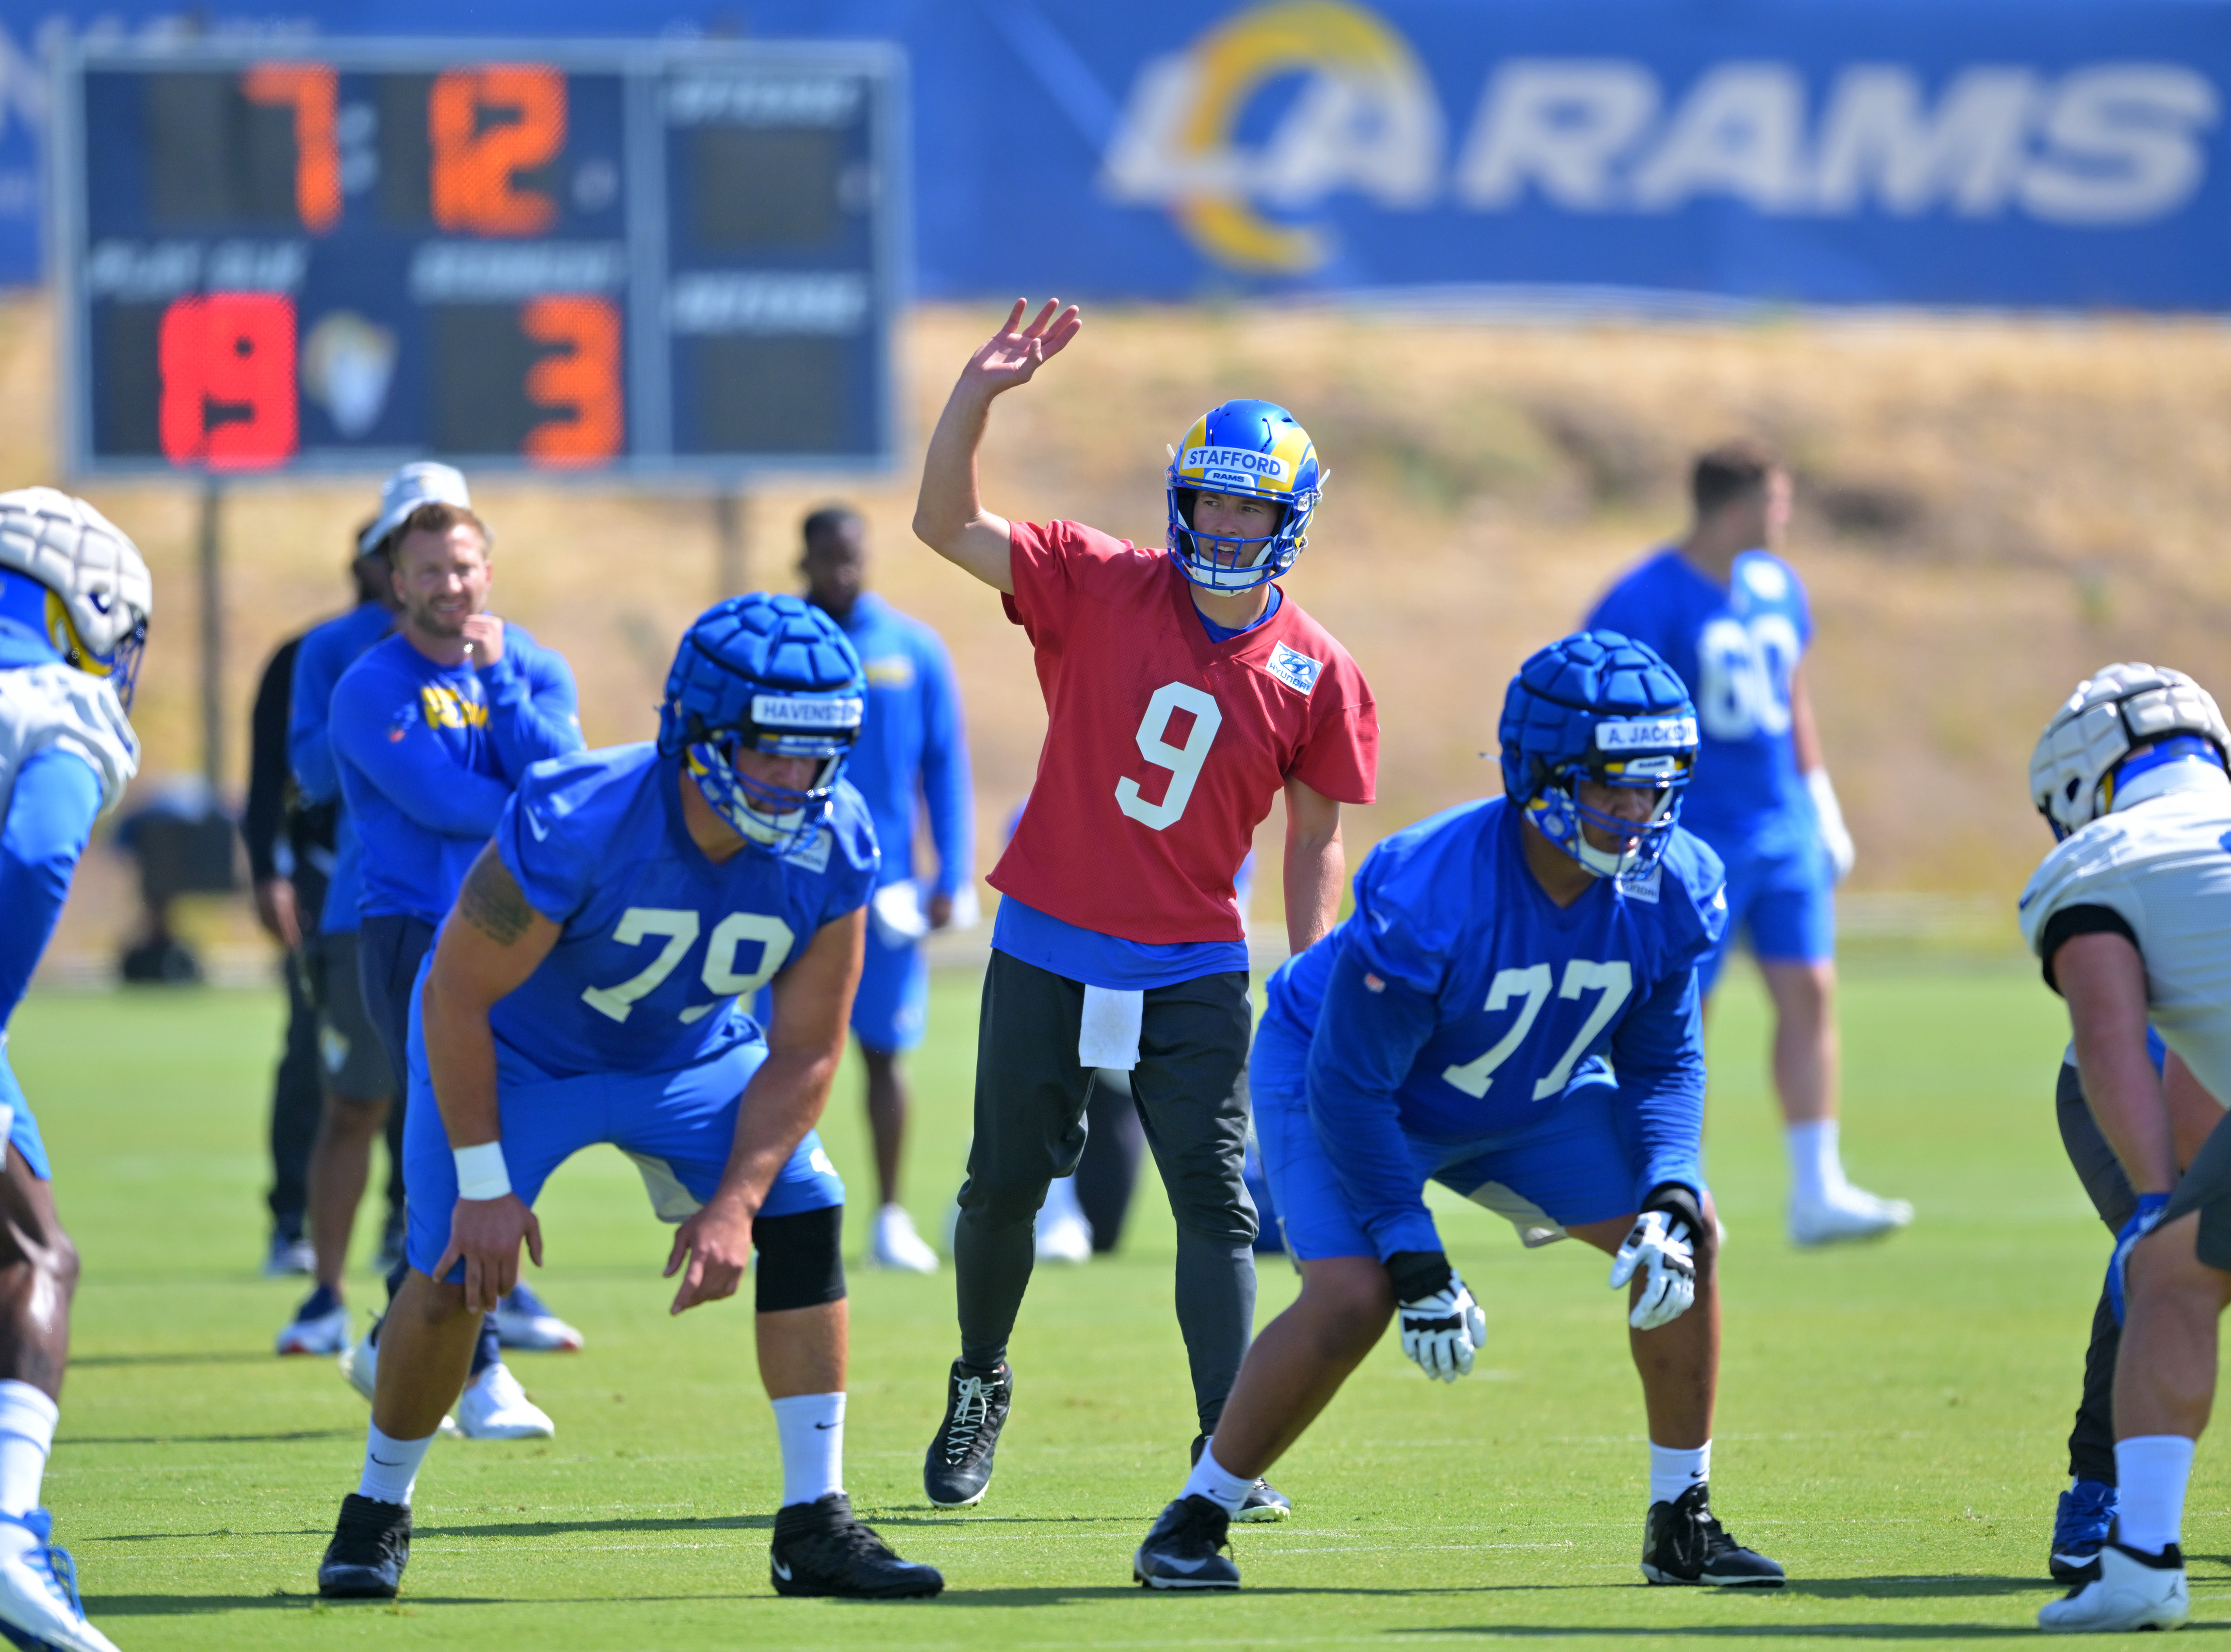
(819, 1549)
(370, 1547)
(1682, 1543)
(1180, 1551)
(959, 1469)
(1265, 1501)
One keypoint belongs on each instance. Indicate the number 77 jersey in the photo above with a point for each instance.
(1462, 1004)
(1165, 746)
(657, 942)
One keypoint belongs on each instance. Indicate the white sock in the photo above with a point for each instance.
(1816, 1163)
(1674, 1469)
(26, 1434)
(1212, 1480)
(812, 1428)
(2151, 1471)
(390, 1466)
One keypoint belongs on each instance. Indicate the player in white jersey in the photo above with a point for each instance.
(73, 601)
(2132, 917)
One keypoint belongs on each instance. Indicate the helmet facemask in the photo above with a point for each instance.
(1557, 811)
(1226, 565)
(781, 819)
(120, 667)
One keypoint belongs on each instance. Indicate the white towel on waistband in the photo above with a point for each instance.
(1108, 1036)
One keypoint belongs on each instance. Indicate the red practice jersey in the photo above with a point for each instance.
(1163, 749)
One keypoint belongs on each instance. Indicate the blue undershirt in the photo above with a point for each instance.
(1108, 961)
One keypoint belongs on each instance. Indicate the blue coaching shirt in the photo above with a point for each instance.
(324, 652)
(658, 941)
(429, 754)
(911, 736)
(1458, 1004)
(1736, 647)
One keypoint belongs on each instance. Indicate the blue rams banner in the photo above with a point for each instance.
(1948, 153)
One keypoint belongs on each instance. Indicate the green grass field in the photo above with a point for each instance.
(1890, 1424)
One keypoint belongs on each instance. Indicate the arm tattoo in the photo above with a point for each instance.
(491, 902)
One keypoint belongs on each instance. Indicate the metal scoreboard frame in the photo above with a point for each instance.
(637, 318)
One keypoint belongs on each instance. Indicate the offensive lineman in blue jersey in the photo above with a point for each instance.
(1730, 616)
(584, 989)
(912, 758)
(1511, 1011)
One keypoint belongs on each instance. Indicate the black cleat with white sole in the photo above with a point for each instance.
(370, 1547)
(1182, 1551)
(1682, 1543)
(1263, 1501)
(958, 1470)
(819, 1549)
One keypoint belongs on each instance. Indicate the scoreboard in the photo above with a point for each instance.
(669, 259)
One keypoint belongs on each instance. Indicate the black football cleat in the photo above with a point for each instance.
(370, 1547)
(1263, 1501)
(1682, 1543)
(958, 1471)
(819, 1549)
(1182, 1549)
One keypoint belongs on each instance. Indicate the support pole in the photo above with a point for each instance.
(212, 662)
(732, 526)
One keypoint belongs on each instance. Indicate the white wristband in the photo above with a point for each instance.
(480, 1173)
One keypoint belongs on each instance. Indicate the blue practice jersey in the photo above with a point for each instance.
(1736, 647)
(1458, 1004)
(429, 753)
(659, 940)
(911, 748)
(324, 654)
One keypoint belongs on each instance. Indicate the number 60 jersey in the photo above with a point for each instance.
(658, 941)
(1164, 747)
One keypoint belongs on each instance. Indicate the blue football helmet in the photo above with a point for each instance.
(769, 674)
(1599, 705)
(1258, 450)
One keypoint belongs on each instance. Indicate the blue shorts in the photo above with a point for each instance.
(891, 1009)
(23, 1128)
(679, 1127)
(1567, 1170)
(1785, 900)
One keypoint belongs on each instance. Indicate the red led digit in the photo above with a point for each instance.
(314, 90)
(475, 164)
(227, 363)
(584, 382)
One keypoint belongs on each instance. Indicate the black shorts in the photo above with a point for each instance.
(2206, 1187)
(352, 1058)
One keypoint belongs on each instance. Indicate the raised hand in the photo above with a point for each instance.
(1017, 352)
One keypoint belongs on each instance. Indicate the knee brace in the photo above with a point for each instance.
(801, 1262)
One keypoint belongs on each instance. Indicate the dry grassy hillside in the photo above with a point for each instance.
(1988, 510)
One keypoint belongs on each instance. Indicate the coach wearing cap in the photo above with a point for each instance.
(431, 731)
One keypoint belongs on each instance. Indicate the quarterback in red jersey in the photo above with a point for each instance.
(1184, 692)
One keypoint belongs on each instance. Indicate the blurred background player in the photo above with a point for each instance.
(2126, 915)
(1457, 1029)
(584, 991)
(290, 859)
(1185, 692)
(350, 1070)
(75, 598)
(432, 730)
(1729, 616)
(911, 761)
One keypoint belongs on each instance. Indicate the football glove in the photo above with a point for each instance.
(1443, 1328)
(1835, 837)
(2143, 1222)
(1663, 1245)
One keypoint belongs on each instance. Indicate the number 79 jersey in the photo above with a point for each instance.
(657, 941)
(1163, 747)
(1460, 992)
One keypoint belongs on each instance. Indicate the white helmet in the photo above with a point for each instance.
(2072, 773)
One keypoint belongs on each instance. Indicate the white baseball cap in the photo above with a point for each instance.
(423, 483)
